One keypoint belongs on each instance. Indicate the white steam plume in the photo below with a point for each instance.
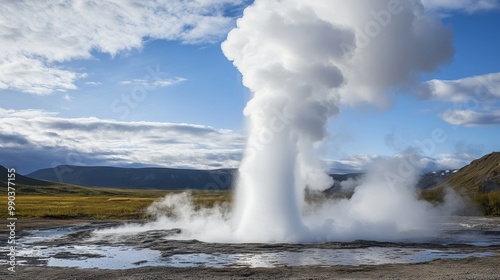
(300, 59)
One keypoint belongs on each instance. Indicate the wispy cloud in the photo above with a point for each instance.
(34, 139)
(472, 118)
(24, 114)
(31, 75)
(468, 6)
(153, 83)
(43, 35)
(484, 87)
(351, 164)
(474, 99)
(93, 84)
(67, 97)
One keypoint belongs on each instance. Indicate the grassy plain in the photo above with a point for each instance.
(76, 202)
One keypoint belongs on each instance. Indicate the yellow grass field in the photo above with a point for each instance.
(75, 202)
(78, 207)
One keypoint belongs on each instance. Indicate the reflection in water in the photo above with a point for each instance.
(93, 256)
(60, 248)
(320, 257)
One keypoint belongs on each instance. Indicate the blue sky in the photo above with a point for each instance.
(156, 90)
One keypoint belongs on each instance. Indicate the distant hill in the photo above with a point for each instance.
(150, 178)
(480, 176)
(177, 179)
(20, 179)
(138, 178)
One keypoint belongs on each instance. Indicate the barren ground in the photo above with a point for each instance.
(467, 268)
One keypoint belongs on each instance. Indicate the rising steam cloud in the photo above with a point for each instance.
(302, 59)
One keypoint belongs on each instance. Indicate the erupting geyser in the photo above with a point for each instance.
(301, 59)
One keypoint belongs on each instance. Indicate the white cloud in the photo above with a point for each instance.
(67, 97)
(34, 76)
(471, 118)
(482, 88)
(352, 164)
(24, 114)
(93, 84)
(468, 6)
(33, 139)
(153, 83)
(454, 161)
(38, 37)
(37, 139)
(474, 98)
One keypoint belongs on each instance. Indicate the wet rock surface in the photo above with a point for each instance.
(470, 249)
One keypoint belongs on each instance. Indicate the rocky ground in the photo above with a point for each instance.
(470, 268)
(467, 268)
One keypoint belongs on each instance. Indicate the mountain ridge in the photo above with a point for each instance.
(147, 177)
(480, 176)
(177, 179)
(20, 179)
(137, 178)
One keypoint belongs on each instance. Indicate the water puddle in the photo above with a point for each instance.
(319, 257)
(89, 256)
(109, 258)
(76, 247)
(123, 257)
(41, 235)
